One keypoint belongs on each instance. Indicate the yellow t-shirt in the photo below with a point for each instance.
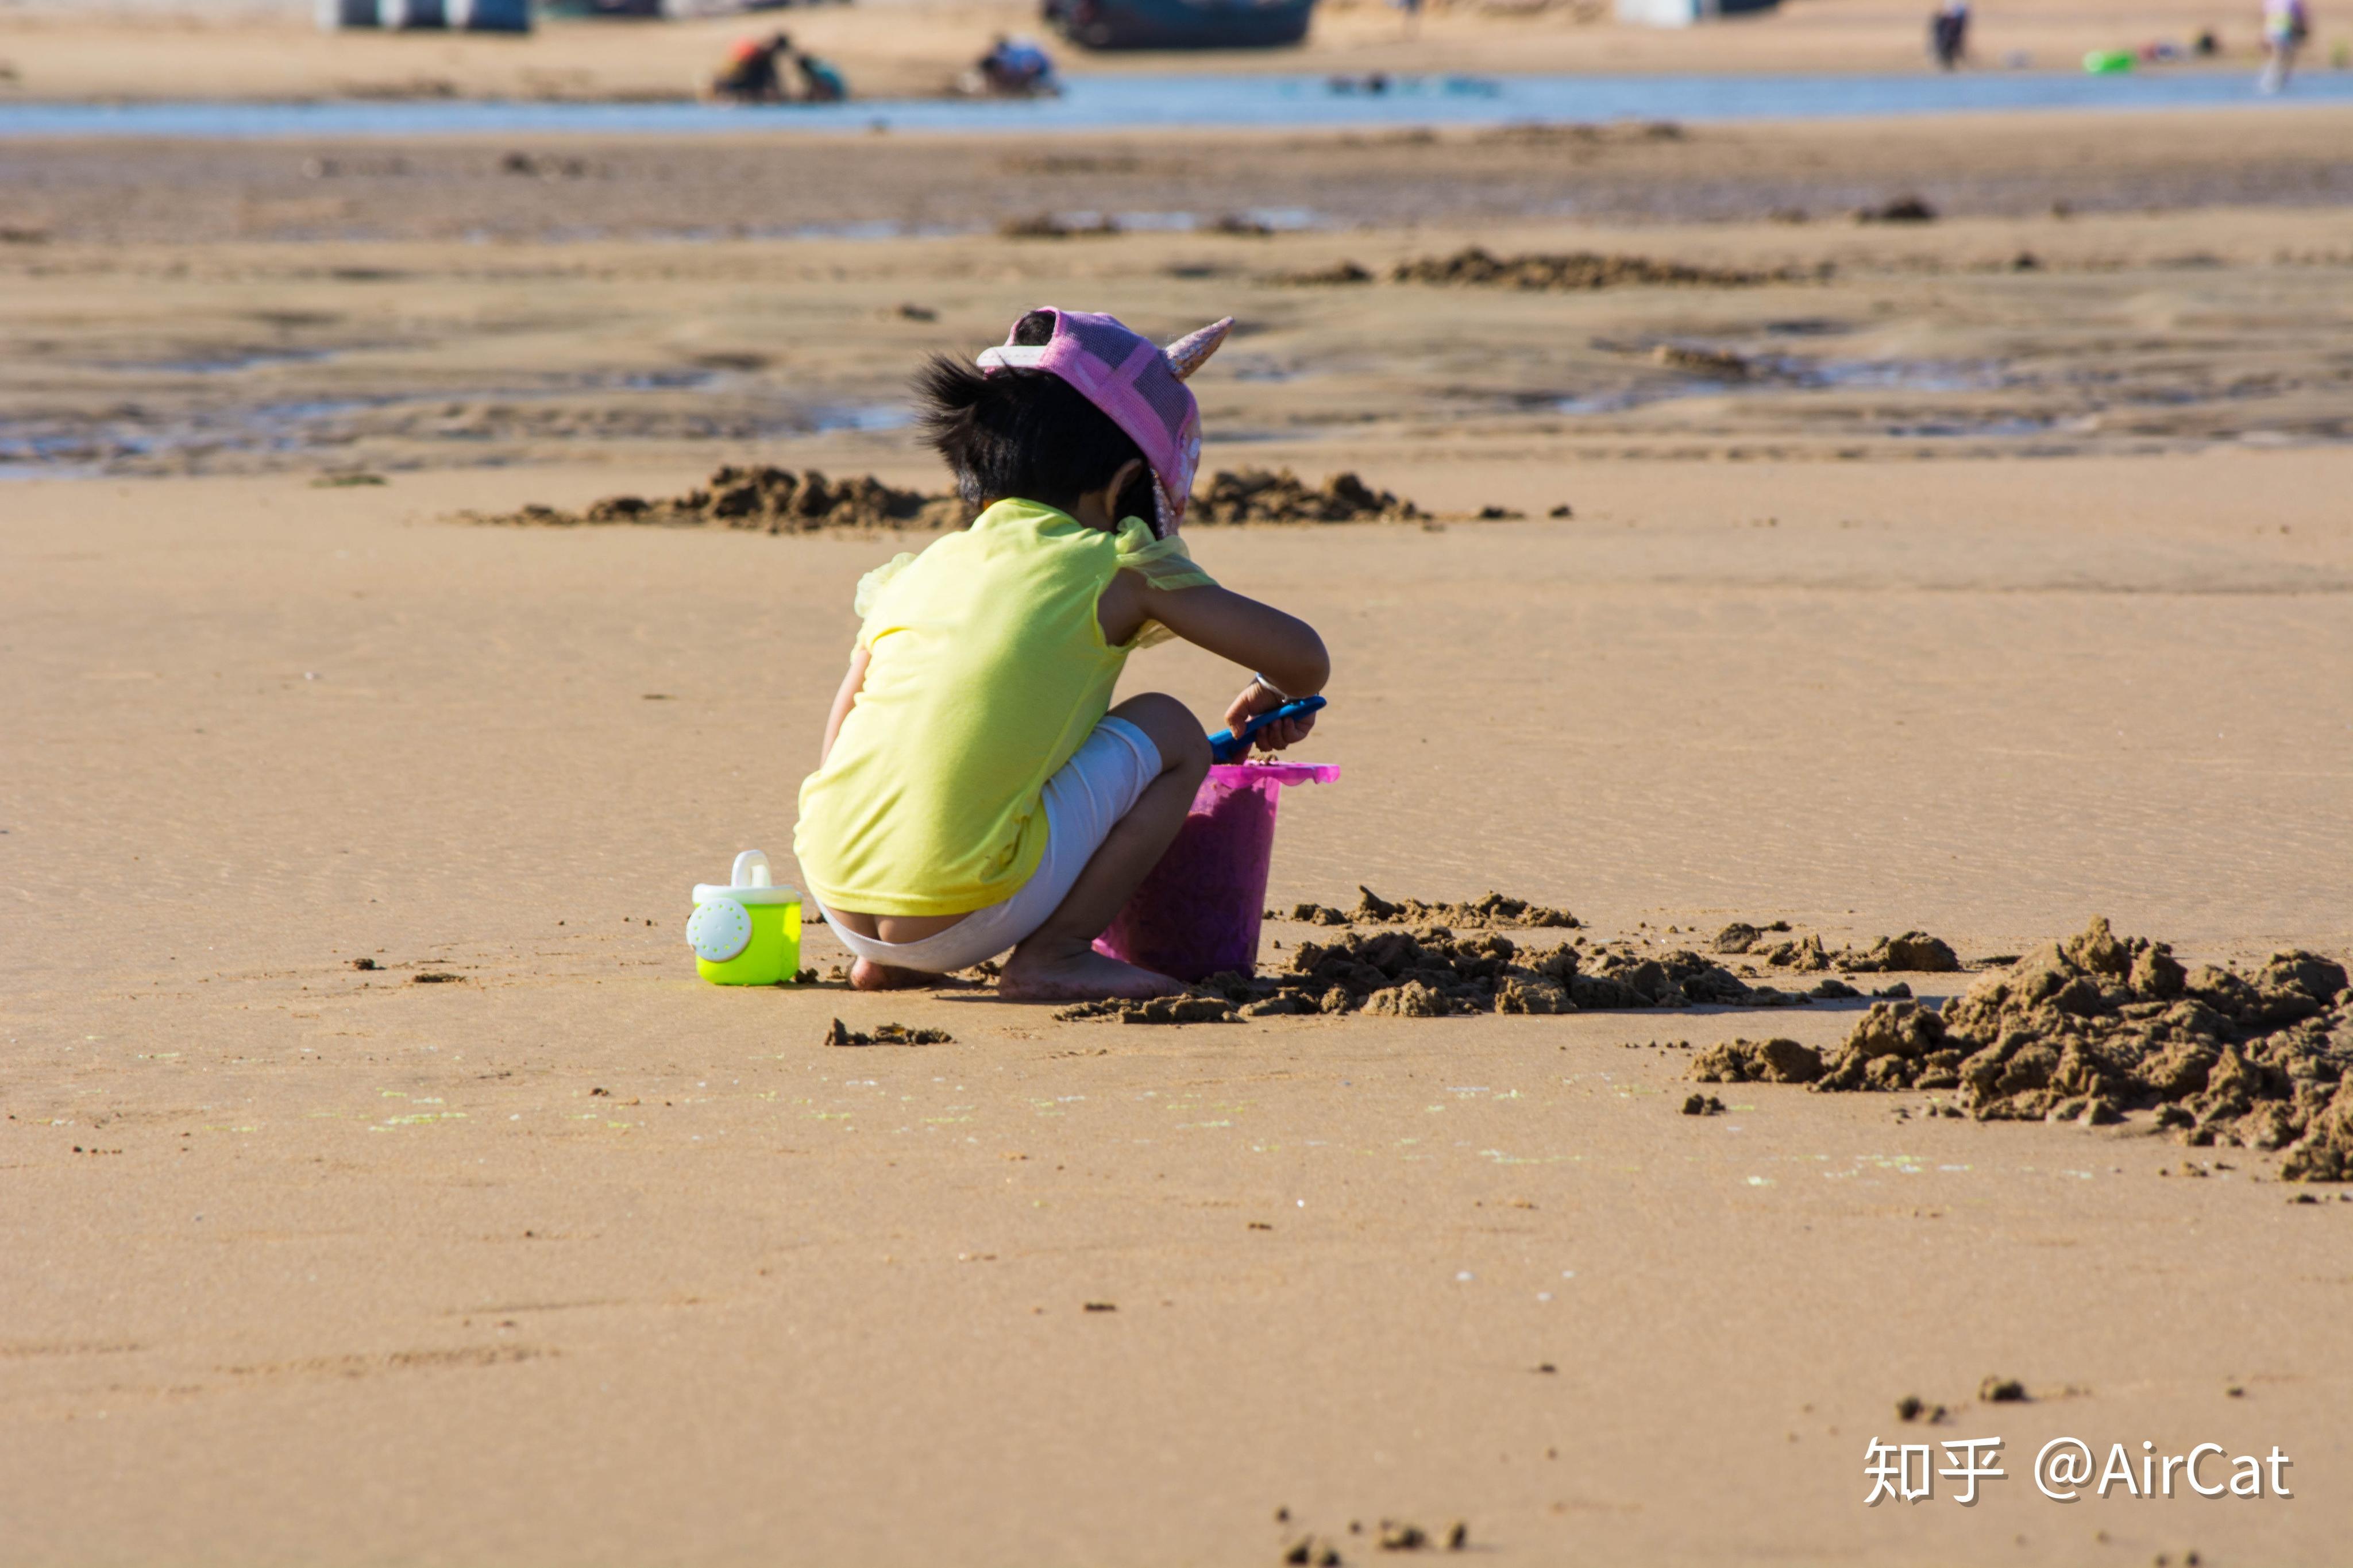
(988, 670)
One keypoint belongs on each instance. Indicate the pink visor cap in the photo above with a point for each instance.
(1138, 384)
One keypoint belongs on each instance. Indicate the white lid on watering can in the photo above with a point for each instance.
(749, 883)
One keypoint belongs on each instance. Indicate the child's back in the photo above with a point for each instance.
(987, 668)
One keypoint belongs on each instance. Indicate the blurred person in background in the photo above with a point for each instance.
(820, 81)
(2286, 25)
(752, 75)
(1948, 33)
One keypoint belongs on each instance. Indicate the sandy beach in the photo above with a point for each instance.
(1977, 574)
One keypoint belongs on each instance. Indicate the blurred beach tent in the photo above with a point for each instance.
(1685, 13)
(491, 16)
(674, 10)
(469, 15)
(1180, 23)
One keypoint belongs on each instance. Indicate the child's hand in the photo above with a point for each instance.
(1256, 700)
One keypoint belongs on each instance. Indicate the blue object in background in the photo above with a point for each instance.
(336, 15)
(491, 16)
(411, 13)
(1146, 102)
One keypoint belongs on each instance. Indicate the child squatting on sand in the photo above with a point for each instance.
(977, 791)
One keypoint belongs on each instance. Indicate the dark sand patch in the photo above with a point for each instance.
(778, 500)
(1495, 910)
(886, 1035)
(1584, 270)
(1431, 972)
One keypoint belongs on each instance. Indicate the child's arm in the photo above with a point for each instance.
(1283, 650)
(843, 700)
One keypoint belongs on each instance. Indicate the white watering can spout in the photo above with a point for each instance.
(751, 870)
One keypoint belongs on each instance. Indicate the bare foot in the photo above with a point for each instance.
(1064, 974)
(867, 976)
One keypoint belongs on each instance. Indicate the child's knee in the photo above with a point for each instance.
(1184, 747)
(1192, 757)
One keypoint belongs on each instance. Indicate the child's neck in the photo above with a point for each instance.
(1094, 511)
(1091, 511)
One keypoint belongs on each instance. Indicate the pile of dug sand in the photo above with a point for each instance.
(1254, 495)
(771, 501)
(1574, 269)
(1914, 952)
(841, 1034)
(2090, 1028)
(777, 501)
(1431, 972)
(1495, 910)
(1340, 274)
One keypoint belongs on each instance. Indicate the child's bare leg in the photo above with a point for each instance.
(865, 974)
(1059, 960)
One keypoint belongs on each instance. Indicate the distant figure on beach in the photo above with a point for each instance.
(820, 82)
(2286, 26)
(1948, 33)
(1016, 67)
(752, 75)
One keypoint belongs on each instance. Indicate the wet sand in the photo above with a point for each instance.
(577, 1257)
(568, 190)
(2025, 334)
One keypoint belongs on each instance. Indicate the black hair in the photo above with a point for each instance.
(1025, 433)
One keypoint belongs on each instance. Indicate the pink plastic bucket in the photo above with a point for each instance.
(1198, 912)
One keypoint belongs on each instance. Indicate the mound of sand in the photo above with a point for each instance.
(1340, 274)
(1046, 226)
(1431, 972)
(1914, 952)
(1255, 495)
(773, 501)
(841, 1034)
(777, 501)
(2090, 1028)
(1757, 1061)
(1575, 269)
(1495, 910)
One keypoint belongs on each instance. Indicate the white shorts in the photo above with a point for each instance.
(1084, 800)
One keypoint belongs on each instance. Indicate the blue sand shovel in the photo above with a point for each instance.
(1228, 746)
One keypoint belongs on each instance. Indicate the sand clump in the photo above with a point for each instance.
(1914, 952)
(1046, 226)
(886, 1035)
(2088, 1029)
(768, 500)
(1900, 209)
(1577, 270)
(1723, 364)
(778, 500)
(1189, 1007)
(1757, 1061)
(1340, 274)
(1256, 495)
(1433, 973)
(1742, 937)
(1495, 910)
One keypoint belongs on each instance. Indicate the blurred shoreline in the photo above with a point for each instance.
(163, 51)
